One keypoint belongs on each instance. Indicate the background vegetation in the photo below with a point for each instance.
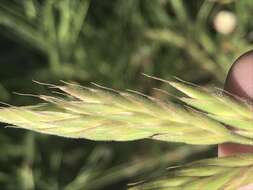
(110, 43)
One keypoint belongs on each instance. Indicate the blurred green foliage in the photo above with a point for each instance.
(110, 43)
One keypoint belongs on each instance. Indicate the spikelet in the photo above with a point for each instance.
(228, 173)
(106, 115)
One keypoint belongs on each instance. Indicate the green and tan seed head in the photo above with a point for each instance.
(103, 115)
(99, 114)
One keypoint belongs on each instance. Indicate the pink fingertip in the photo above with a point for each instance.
(248, 187)
(240, 83)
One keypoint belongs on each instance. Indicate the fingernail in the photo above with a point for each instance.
(240, 77)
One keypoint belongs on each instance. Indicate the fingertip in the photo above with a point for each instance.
(239, 82)
(248, 187)
(229, 149)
